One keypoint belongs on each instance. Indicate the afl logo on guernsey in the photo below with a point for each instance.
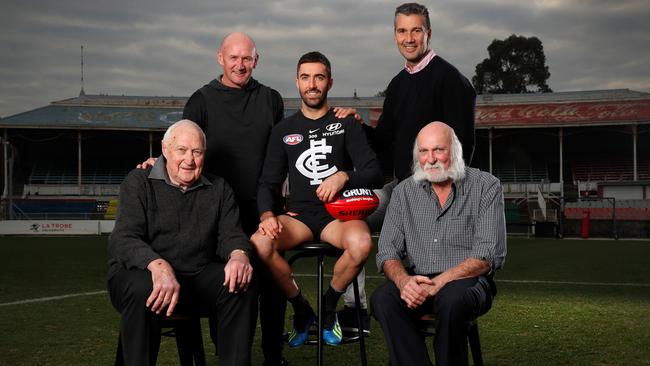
(293, 139)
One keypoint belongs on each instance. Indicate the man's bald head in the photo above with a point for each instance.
(238, 56)
(238, 38)
(437, 154)
(184, 123)
(436, 128)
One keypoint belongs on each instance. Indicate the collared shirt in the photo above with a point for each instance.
(435, 238)
(159, 171)
(422, 64)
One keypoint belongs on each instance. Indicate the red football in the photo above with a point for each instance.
(353, 204)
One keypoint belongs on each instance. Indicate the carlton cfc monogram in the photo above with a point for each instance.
(308, 162)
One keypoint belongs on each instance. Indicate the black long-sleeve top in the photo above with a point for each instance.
(237, 123)
(439, 92)
(189, 229)
(309, 151)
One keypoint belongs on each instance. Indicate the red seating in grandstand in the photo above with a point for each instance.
(643, 169)
(609, 170)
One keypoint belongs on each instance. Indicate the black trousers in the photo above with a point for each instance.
(456, 303)
(273, 305)
(140, 327)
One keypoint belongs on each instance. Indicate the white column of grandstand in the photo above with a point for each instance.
(634, 136)
(490, 146)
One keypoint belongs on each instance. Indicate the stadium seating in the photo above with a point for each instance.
(69, 175)
(590, 169)
(45, 209)
(56, 180)
(511, 172)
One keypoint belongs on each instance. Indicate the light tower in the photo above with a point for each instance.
(82, 92)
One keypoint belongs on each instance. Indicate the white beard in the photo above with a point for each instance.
(433, 173)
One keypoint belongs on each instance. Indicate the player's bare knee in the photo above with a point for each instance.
(364, 248)
(262, 245)
(359, 247)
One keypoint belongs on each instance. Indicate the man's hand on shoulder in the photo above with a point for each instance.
(238, 272)
(165, 287)
(413, 290)
(342, 112)
(147, 163)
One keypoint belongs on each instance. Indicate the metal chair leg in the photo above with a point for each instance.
(320, 250)
(119, 356)
(189, 341)
(184, 343)
(362, 336)
(319, 302)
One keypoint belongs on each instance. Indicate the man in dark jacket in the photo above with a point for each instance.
(237, 112)
(179, 228)
(428, 89)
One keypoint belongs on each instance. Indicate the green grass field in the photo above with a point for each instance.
(560, 302)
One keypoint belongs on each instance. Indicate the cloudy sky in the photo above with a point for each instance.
(163, 47)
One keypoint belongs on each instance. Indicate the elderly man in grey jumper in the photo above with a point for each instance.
(177, 241)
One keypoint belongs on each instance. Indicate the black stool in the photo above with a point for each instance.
(320, 250)
(189, 339)
(428, 328)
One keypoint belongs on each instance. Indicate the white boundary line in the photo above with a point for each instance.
(92, 293)
(629, 284)
(613, 284)
(52, 298)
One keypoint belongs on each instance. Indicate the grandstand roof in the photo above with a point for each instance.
(103, 112)
(110, 112)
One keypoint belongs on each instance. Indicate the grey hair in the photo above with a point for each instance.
(414, 9)
(456, 169)
(183, 122)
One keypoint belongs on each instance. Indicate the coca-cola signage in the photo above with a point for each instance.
(562, 113)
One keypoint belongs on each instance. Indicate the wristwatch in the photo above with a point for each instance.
(237, 250)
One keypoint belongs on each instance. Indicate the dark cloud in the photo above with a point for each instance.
(160, 47)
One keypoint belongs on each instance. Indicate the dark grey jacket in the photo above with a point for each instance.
(188, 229)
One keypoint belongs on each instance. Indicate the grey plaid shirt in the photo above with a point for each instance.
(434, 238)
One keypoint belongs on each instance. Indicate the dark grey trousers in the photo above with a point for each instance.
(204, 292)
(455, 304)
